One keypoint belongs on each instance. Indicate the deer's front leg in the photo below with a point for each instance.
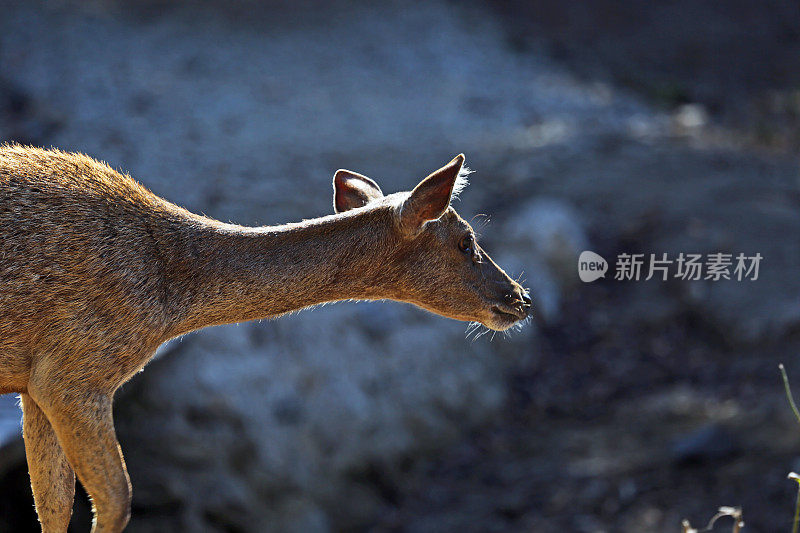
(52, 477)
(83, 423)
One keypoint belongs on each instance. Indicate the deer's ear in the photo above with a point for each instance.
(351, 190)
(431, 198)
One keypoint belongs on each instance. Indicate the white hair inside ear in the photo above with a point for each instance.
(461, 181)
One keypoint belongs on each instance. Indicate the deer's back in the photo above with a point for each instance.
(80, 266)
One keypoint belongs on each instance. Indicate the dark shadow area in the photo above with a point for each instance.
(17, 514)
(740, 59)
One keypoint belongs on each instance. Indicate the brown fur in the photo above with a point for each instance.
(96, 272)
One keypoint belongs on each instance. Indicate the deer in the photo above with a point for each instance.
(96, 272)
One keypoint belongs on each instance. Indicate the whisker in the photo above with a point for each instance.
(475, 334)
(471, 327)
(481, 334)
(476, 330)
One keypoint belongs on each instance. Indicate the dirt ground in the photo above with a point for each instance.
(641, 408)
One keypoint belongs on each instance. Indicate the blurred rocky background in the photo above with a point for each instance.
(637, 127)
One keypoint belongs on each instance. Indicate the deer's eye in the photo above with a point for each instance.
(466, 244)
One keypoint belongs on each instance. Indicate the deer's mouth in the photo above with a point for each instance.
(506, 316)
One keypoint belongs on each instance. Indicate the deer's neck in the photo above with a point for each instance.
(225, 273)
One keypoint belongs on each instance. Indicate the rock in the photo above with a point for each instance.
(543, 242)
(251, 423)
(10, 431)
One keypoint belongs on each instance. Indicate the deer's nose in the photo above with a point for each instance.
(519, 299)
(526, 299)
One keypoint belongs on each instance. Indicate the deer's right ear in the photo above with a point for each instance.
(351, 190)
(431, 198)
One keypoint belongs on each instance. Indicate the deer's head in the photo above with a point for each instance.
(432, 258)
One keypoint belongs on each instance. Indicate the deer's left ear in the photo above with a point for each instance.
(351, 190)
(431, 198)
